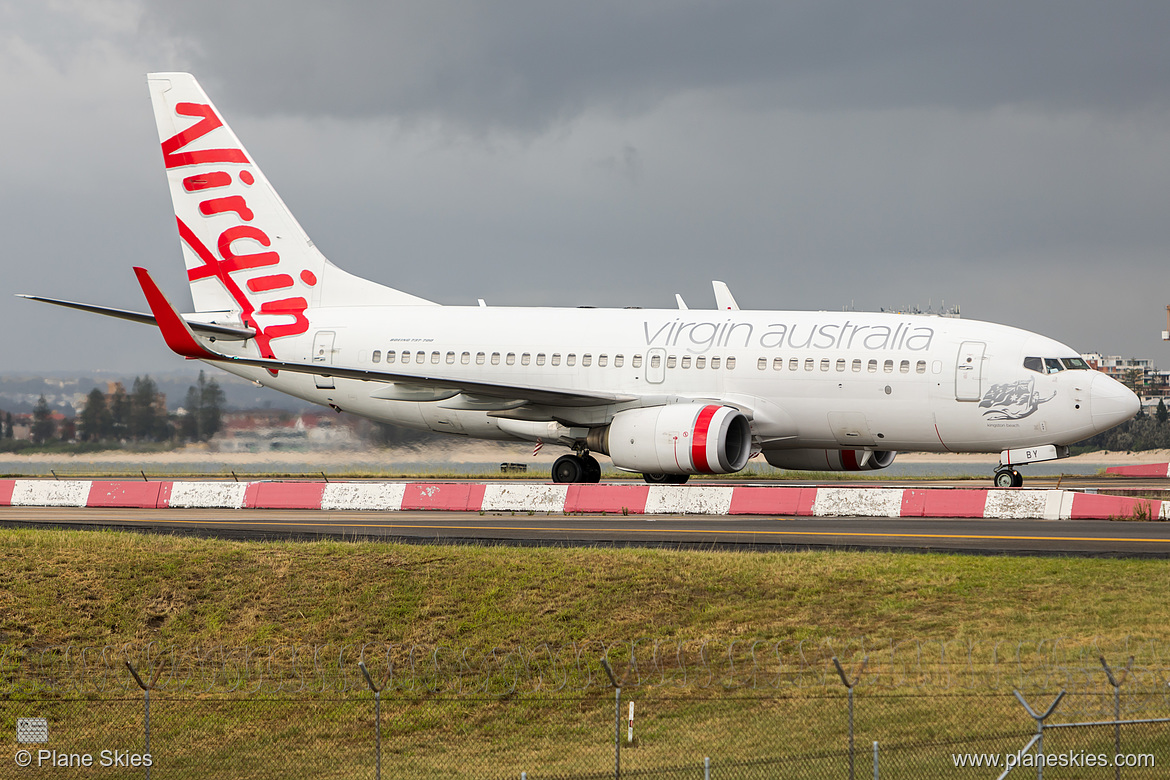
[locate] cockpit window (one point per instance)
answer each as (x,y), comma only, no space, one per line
(1052,365)
(1034,364)
(1076,364)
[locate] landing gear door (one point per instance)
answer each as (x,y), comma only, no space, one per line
(323,353)
(969,371)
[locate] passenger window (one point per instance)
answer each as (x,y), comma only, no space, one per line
(824,364)
(479,358)
(686,361)
(586,359)
(809,364)
(435,356)
(450,358)
(377,356)
(731,363)
(525,359)
(700,362)
(857,365)
(1052,365)
(715,361)
(618,360)
(840,364)
(655,361)
(762,363)
(637,361)
(872,367)
(888,367)
(540,358)
(671,360)
(495,358)
(465,358)
(1034,364)
(920,367)
(405,356)
(510,359)
(904,367)
(778,364)
(602,361)
(556,358)
(390,356)
(793,365)
(571,360)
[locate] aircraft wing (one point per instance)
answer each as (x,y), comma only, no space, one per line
(179,335)
(210,328)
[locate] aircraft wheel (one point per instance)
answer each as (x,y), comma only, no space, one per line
(592,469)
(568,468)
(1006,478)
(1017,479)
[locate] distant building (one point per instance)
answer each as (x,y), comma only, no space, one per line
(265,431)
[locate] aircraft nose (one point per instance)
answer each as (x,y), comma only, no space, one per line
(1110,402)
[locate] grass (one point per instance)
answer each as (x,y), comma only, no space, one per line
(95,588)
(109,588)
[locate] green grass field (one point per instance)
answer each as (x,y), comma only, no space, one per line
(106,588)
(88,588)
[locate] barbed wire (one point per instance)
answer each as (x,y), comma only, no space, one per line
(714,666)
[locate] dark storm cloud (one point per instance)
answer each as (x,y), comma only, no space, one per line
(527,64)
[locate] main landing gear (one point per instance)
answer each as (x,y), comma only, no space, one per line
(576,468)
(1008,478)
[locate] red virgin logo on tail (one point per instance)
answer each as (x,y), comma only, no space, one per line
(229,258)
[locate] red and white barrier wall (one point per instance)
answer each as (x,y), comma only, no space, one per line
(1143,470)
(558,499)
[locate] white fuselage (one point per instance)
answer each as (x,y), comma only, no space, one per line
(807,379)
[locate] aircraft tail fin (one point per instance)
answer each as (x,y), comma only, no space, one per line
(244,250)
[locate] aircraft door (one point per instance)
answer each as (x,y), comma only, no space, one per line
(323,353)
(655,365)
(969,371)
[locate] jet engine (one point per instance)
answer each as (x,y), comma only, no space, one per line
(830,460)
(676,439)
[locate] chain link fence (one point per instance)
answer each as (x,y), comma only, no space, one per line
(706,709)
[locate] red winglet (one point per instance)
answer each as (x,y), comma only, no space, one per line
(175,330)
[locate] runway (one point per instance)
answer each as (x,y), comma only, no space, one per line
(752,533)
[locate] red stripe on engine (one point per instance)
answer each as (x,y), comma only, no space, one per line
(699,440)
(849,460)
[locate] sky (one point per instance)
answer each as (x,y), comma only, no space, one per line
(1011,158)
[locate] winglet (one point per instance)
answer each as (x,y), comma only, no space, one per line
(175,330)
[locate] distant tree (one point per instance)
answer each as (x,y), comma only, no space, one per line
(148,419)
(1161,414)
(43,426)
(119,407)
(8,433)
(69,430)
(95,422)
(212,400)
(205,400)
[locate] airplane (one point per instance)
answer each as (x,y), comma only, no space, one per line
(668,393)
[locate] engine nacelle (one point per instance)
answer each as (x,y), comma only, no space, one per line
(677,439)
(830,460)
